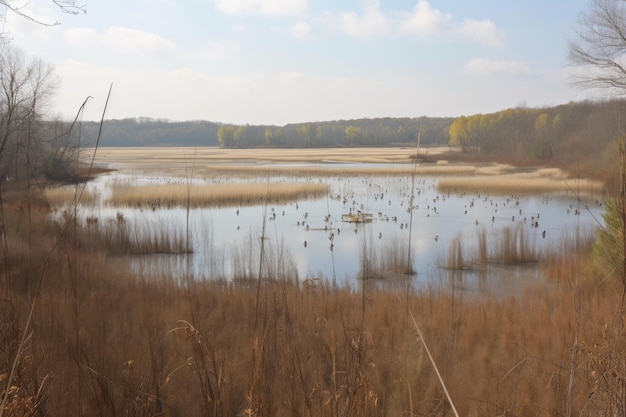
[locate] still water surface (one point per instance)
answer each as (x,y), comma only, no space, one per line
(309,237)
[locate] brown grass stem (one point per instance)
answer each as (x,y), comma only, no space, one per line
(434,364)
(40,279)
(409,260)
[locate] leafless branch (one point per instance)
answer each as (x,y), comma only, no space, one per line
(66,6)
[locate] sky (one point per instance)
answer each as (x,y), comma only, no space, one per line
(274,62)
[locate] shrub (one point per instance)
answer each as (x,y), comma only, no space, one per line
(608,250)
(58,169)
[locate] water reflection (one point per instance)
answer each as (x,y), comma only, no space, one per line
(308,239)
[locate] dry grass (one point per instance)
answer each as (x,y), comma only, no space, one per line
(213,195)
(332,170)
(455,257)
(105,341)
(65,195)
(514,247)
(508,246)
(490,177)
(180,157)
(208,160)
(498,181)
(153,346)
(117,236)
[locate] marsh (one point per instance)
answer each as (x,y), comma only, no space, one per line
(287,217)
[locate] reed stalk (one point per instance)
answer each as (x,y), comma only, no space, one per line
(434,364)
(40,279)
(455,259)
(409,260)
(214,195)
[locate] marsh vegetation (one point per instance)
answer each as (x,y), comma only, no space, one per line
(111,334)
(173,285)
(299,209)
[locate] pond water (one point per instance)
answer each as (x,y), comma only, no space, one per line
(309,238)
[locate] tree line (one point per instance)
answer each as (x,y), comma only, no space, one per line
(582,133)
(145,131)
(572,132)
(360,132)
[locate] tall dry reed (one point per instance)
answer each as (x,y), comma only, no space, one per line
(321,349)
(513,246)
(143,354)
(214,195)
(540,181)
(121,236)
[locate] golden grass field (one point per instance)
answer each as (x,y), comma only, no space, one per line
(202,162)
(180,157)
(213,195)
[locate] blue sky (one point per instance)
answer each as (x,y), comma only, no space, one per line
(287,61)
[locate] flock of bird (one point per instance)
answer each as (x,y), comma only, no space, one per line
(404,208)
(398,208)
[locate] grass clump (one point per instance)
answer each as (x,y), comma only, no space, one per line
(213,195)
(455,258)
(121,236)
(384,258)
(63,195)
(508,246)
(514,247)
(536,181)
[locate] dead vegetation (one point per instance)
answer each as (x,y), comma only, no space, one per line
(213,195)
(82,335)
(458,176)
(106,341)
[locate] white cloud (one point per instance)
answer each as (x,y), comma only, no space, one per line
(81,36)
(118,39)
(483,31)
(273,8)
(301,30)
(372,23)
(482,66)
(424,20)
(290,76)
(129,39)
(218,51)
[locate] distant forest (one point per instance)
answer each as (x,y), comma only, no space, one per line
(583,134)
(360,132)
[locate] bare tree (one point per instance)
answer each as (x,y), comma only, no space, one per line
(25,87)
(599,52)
(20,8)
(599,49)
